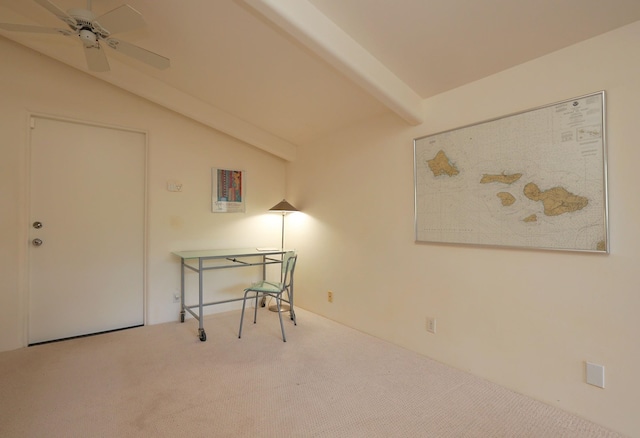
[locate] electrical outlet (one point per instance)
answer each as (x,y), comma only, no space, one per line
(330,296)
(176,297)
(431,325)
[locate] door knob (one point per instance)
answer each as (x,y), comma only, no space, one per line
(37,225)
(36,242)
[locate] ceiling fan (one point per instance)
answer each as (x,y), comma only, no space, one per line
(93,31)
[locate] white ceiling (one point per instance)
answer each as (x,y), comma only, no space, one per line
(281,73)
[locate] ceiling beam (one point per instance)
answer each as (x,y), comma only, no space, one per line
(196,109)
(316,31)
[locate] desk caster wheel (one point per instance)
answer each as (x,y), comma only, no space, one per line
(202,335)
(182,317)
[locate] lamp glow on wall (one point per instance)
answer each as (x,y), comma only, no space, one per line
(282,207)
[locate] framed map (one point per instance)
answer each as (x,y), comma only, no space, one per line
(227,191)
(533,179)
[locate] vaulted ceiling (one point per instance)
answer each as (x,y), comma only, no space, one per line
(281,73)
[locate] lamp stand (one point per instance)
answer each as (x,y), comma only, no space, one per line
(283,307)
(282,234)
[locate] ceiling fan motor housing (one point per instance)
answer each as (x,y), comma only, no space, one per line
(82,16)
(88,30)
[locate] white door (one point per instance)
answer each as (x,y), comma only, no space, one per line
(88,193)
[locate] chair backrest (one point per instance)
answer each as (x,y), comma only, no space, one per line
(288,265)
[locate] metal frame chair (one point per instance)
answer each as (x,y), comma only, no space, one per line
(274,289)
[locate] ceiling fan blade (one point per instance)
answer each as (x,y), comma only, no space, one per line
(96,58)
(58,12)
(121,19)
(36,29)
(153,59)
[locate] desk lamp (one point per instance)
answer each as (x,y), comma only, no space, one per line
(282,207)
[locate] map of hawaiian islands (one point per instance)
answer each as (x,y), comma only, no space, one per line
(555,201)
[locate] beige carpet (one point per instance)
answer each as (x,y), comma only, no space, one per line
(325,381)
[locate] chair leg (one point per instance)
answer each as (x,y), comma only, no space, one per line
(292,312)
(255,309)
(279,305)
(244,303)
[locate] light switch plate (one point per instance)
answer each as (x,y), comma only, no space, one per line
(595,374)
(174,186)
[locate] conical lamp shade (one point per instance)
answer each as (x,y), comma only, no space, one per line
(283,206)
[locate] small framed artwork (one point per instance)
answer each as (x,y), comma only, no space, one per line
(227,190)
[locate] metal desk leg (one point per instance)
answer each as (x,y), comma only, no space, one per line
(201,333)
(182,292)
(263,301)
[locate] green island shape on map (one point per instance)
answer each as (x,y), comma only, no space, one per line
(506,198)
(440,165)
(502,178)
(556,201)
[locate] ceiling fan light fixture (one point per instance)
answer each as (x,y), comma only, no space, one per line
(88,38)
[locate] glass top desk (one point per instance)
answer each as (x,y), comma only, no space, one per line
(200,261)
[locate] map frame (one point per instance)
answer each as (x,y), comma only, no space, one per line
(532,179)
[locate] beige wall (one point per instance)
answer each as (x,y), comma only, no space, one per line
(523,318)
(178,149)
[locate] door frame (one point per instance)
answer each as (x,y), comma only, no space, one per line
(25,214)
